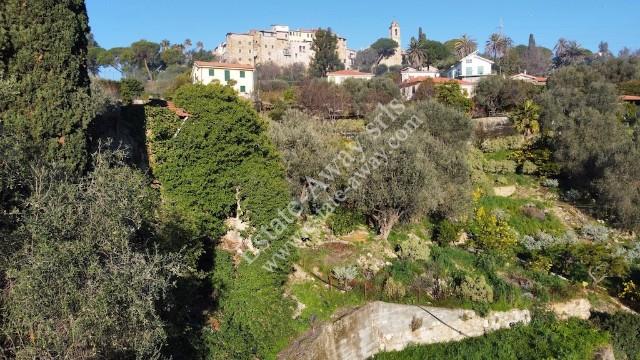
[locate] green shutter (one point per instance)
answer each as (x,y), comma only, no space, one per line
(241,73)
(242,89)
(211,72)
(227,75)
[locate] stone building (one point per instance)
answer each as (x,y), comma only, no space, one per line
(280,44)
(394,34)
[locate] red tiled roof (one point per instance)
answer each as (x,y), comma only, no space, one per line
(532,77)
(349,73)
(207,64)
(630,98)
(176,110)
(436,80)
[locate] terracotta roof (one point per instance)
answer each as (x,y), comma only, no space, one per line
(436,80)
(630,98)
(220,65)
(176,110)
(349,73)
(532,77)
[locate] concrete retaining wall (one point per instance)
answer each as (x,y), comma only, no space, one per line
(381,326)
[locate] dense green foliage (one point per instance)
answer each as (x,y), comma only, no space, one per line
(591,145)
(46,115)
(451,94)
(87,280)
(545,338)
(344,221)
(625,332)
(130,89)
(495,94)
(305,145)
(325,59)
(221,152)
(425,173)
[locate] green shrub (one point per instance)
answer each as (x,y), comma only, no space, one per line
(474,288)
(514,142)
(394,289)
(493,234)
(345,274)
(625,332)
(446,232)
(344,221)
(595,232)
(220,154)
(414,249)
(550,183)
(529,168)
(500,166)
(130,89)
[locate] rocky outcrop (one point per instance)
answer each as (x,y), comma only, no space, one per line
(504,191)
(578,308)
(380,326)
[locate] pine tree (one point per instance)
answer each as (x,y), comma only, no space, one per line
(326,58)
(46,65)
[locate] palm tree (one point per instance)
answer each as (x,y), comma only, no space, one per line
(465,45)
(568,52)
(187,44)
(416,54)
(165,44)
(498,45)
(526,118)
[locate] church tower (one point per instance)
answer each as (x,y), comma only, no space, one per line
(394,34)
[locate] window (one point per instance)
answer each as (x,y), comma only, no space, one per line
(243,89)
(469,61)
(227,75)
(242,73)
(480,70)
(469,71)
(211,72)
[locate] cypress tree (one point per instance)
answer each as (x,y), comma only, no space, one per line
(46,67)
(325,47)
(532,43)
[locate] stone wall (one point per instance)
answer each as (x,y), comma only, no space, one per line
(380,326)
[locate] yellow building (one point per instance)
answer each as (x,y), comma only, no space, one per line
(240,75)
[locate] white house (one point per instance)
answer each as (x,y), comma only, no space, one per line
(411,73)
(207,72)
(410,87)
(471,68)
(339,77)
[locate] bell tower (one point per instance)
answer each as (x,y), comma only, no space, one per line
(394,33)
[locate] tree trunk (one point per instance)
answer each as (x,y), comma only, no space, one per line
(386,220)
(146,66)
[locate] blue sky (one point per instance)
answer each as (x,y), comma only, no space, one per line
(120,22)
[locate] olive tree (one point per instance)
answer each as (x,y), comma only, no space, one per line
(305,145)
(87,279)
(416,166)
